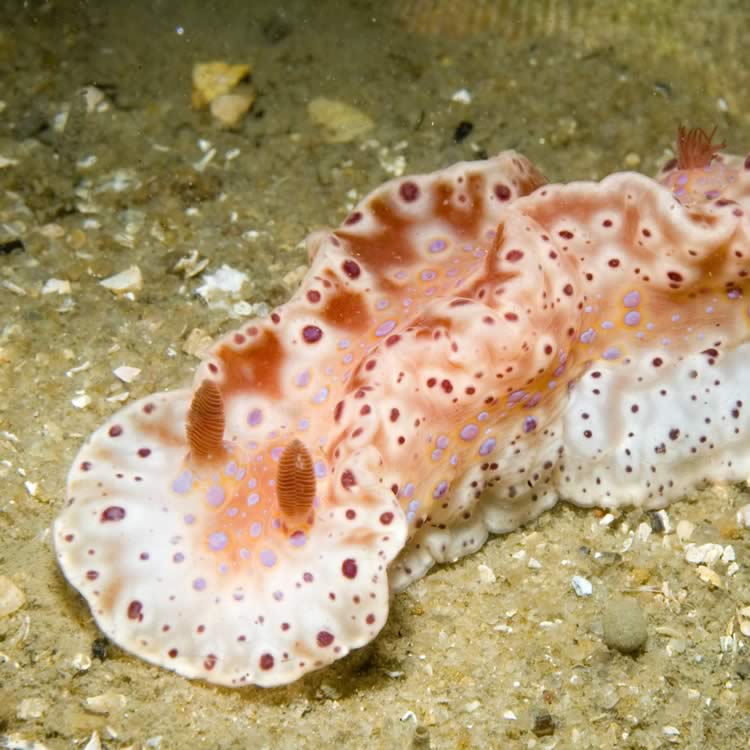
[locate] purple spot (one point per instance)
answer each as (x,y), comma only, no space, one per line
(232,512)
(437,454)
(442,442)
(588,336)
(381,304)
(533,401)
(253,499)
(304,423)
(215,496)
(441,489)
(276,452)
(298,539)
(487,447)
(217,541)
(482,416)
(278,595)
(199,584)
(311,334)
(255,417)
(348,358)
(734,294)
(267,558)
(516,396)
(255,530)
(611,353)
(454,459)
(428,275)
(245,553)
(321,395)
(469,432)
(320,469)
(437,246)
(303,378)
(178,557)
(408,490)
(607,324)
(632,299)
(183,483)
(189,519)
(344,344)
(385,328)
(529,424)
(252,484)
(632,318)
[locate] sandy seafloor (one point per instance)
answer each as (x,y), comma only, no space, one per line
(583,89)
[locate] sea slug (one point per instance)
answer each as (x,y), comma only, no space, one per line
(467,348)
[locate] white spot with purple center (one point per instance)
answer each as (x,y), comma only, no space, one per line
(215,496)
(253,499)
(255,417)
(487,447)
(437,246)
(217,541)
(632,299)
(385,328)
(611,353)
(267,558)
(183,483)
(588,336)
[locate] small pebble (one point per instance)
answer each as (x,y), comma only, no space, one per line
(11,597)
(582,586)
(544,725)
(624,625)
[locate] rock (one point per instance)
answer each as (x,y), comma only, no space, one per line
(544,725)
(11,597)
(105,704)
(214,79)
(341,122)
(624,625)
(129,280)
(31,708)
(230,109)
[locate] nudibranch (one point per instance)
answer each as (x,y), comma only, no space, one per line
(467,348)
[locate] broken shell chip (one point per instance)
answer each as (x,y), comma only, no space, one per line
(214,79)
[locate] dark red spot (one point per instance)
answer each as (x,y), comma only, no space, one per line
(135,610)
(607,223)
(210,662)
(92,575)
(113,513)
(351,268)
(148,408)
(393,339)
(324,638)
(370,619)
(69,537)
(566,235)
(266,662)
(502,192)
(115,430)
(307,577)
(365,410)
(568,289)
(613,263)
(674,433)
(747,162)
(172,653)
(511,316)
(213,368)
(394,414)
(252,331)
(670,165)
(351,514)
(347,479)
(349,568)
(431,382)
(239,338)
(447,386)
(276,318)
(514,256)
(634,408)
(311,334)
(85,465)
(338,410)
(313,295)
(386,518)
(144,556)
(657,361)
(370,364)
(646,232)
(144,452)
(353,218)
(674,276)
(408,191)
(285,626)
(460,302)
